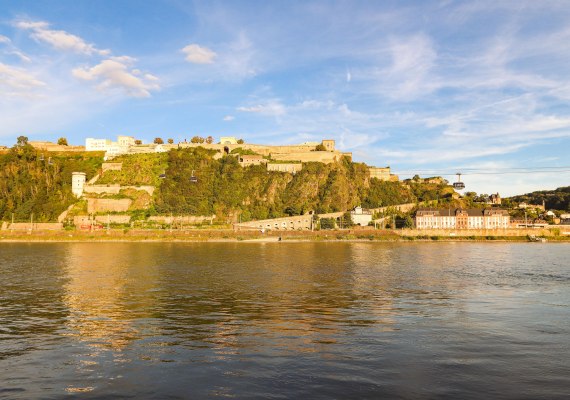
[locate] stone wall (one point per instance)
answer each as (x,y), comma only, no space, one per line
(287,223)
(115,188)
(113,219)
(285,167)
(108,205)
(98,189)
(182,219)
(108,166)
(325,157)
(36,226)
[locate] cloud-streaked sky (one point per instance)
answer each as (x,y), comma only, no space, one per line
(423,86)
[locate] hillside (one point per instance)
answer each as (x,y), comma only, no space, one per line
(558,199)
(38,184)
(221,186)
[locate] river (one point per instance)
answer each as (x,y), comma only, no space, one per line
(285,320)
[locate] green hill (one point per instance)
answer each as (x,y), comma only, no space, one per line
(197,183)
(38,184)
(558,199)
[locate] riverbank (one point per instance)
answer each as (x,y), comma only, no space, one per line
(204,235)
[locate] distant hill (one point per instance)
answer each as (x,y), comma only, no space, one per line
(557,199)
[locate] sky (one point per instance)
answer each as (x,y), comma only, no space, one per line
(427,87)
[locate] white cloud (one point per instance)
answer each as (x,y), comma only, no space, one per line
(228,118)
(15,82)
(114,73)
(197,54)
(60,40)
(410,73)
(4,39)
(273,108)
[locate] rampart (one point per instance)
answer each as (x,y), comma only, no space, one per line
(108,166)
(26,226)
(108,205)
(182,219)
(285,167)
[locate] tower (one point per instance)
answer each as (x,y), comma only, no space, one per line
(77,183)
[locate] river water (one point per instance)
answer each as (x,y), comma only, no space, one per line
(285,320)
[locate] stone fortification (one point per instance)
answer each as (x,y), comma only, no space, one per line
(108,205)
(382,173)
(325,157)
(285,167)
(54,147)
(115,188)
(109,166)
(182,219)
(26,226)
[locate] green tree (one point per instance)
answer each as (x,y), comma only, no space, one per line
(22,141)
(158,140)
(62,141)
(320,147)
(209,140)
(138,142)
(240,141)
(170,141)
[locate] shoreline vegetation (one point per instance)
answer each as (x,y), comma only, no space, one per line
(229,235)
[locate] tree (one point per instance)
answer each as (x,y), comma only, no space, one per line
(197,139)
(158,140)
(22,141)
(327,223)
(138,142)
(209,140)
(408,222)
(62,141)
(240,141)
(320,147)
(170,141)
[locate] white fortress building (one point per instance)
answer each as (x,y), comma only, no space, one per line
(78,183)
(111,149)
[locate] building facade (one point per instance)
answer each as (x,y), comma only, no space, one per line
(489,218)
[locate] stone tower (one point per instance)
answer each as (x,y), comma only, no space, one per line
(77,183)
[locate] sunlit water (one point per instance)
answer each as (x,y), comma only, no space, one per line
(285,320)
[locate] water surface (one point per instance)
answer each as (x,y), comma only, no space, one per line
(285,320)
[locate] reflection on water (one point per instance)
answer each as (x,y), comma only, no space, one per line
(284,320)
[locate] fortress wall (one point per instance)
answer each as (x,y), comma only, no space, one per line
(401,207)
(108,205)
(326,157)
(285,167)
(44,226)
(108,166)
(113,219)
(185,219)
(98,189)
(286,223)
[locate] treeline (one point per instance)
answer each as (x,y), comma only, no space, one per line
(39,184)
(558,199)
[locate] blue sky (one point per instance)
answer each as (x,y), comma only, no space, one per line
(432,87)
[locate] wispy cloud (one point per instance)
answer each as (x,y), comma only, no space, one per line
(229,118)
(271,108)
(16,82)
(58,39)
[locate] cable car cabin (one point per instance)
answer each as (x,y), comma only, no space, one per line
(193,179)
(162,176)
(458,185)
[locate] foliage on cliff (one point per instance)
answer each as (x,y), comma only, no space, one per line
(30,184)
(558,199)
(223,187)
(137,169)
